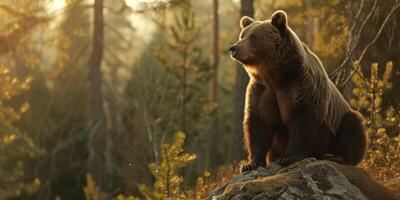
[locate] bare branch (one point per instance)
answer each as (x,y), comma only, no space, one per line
(118,34)
(385,21)
(353,25)
(362,4)
(352,47)
(115,56)
(380,30)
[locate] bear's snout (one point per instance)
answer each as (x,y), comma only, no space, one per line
(233,50)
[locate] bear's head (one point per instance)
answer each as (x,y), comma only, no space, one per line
(258,40)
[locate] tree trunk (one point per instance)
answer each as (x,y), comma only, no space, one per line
(212,145)
(310,26)
(97,138)
(214,83)
(184,92)
(242,79)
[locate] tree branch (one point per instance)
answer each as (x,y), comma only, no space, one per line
(385,21)
(352,48)
(116,57)
(118,34)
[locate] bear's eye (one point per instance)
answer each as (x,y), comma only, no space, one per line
(253,37)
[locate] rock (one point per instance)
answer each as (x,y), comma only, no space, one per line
(306,179)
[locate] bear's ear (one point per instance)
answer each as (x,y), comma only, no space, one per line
(245,21)
(279,19)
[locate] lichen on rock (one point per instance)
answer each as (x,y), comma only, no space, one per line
(306,179)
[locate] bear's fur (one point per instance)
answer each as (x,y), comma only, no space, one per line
(292,109)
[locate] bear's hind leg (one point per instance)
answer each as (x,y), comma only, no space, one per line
(351,141)
(278,146)
(302,138)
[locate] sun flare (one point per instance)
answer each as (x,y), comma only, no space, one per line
(57,4)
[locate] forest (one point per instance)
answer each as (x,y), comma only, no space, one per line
(140,99)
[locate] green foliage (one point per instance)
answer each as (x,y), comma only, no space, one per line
(63,108)
(182,57)
(92,191)
(168,90)
(17,148)
(200,191)
(382,158)
(368,96)
(168,181)
(18,25)
(17,57)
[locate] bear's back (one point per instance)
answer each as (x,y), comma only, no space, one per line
(319,92)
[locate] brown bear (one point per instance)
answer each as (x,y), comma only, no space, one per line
(292,110)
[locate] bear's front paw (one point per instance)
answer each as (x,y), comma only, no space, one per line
(251,166)
(286,161)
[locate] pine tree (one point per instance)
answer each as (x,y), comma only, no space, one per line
(382,158)
(63,121)
(182,57)
(368,95)
(16,146)
(17,58)
(167,174)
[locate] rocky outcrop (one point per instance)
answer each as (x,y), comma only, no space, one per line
(307,179)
